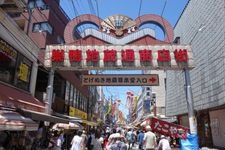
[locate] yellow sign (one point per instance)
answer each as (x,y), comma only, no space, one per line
(71,111)
(7,50)
(77,113)
(23,74)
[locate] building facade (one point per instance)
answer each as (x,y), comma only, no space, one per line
(19,64)
(202,26)
(28,28)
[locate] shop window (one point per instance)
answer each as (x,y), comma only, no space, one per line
(15,69)
(74,97)
(23,73)
(59,86)
(76,100)
(67,93)
(8,56)
(71,95)
(42,27)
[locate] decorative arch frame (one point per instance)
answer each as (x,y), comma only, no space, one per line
(148,18)
(69,30)
(160,21)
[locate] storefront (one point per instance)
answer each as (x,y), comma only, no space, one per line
(16,130)
(217,123)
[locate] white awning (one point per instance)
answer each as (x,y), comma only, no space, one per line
(68,126)
(13,121)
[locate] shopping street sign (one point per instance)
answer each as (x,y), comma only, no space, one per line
(114,57)
(121,80)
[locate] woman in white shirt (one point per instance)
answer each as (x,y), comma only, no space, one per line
(77,142)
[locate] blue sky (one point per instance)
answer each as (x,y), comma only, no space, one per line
(168,9)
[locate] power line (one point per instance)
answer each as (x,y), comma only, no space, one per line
(74,8)
(164,7)
(140,6)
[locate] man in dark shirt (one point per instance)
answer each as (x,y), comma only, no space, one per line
(140,139)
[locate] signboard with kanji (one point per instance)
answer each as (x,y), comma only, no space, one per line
(121,80)
(112,57)
(168,129)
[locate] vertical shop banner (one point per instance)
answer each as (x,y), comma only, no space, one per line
(169,129)
(147,105)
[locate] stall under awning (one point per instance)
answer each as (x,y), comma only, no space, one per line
(13,121)
(90,123)
(39,116)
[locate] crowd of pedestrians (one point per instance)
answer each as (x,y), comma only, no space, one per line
(119,139)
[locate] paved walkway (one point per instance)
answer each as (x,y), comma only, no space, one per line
(203,148)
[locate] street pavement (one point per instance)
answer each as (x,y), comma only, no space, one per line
(203,148)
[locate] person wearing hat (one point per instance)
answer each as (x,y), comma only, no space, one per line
(149,139)
(164,143)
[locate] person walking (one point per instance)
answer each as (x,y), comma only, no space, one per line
(130,138)
(84,139)
(164,143)
(140,139)
(149,139)
(77,142)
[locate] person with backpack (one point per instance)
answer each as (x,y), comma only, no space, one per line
(130,138)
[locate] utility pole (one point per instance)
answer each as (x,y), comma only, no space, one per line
(189,97)
(49,91)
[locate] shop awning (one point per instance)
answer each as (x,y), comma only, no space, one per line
(71,119)
(18,98)
(39,116)
(90,123)
(66,126)
(13,121)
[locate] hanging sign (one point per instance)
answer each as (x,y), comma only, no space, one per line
(128,57)
(168,129)
(121,80)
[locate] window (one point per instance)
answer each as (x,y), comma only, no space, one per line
(74,98)
(148,88)
(71,95)
(42,27)
(59,86)
(15,69)
(67,93)
(23,73)
(37,4)
(8,57)
(41,4)
(60,40)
